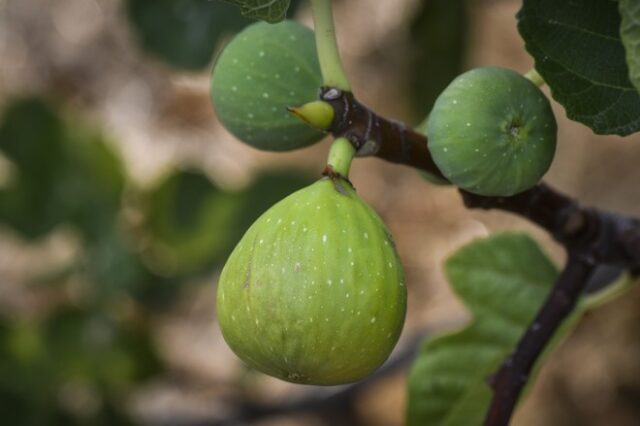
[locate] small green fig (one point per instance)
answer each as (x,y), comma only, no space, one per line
(314,292)
(492,132)
(262,71)
(430,177)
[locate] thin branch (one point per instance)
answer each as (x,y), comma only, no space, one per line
(374,135)
(604,236)
(514,372)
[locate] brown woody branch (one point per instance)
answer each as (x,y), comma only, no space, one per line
(591,237)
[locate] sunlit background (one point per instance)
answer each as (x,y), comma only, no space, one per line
(121,196)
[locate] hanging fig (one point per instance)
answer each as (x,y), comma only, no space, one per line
(492,132)
(262,71)
(314,292)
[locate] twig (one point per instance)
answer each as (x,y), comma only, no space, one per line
(591,237)
(605,237)
(514,372)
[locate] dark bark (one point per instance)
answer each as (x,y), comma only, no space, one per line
(513,374)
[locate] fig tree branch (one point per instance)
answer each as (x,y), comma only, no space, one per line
(603,236)
(591,236)
(507,383)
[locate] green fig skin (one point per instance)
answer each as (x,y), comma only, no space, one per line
(262,71)
(314,292)
(430,177)
(492,132)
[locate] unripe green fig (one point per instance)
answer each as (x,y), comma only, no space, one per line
(430,177)
(492,132)
(314,292)
(262,71)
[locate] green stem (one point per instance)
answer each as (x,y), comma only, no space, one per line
(333,72)
(535,78)
(340,156)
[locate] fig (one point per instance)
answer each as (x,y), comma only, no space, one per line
(262,71)
(492,132)
(314,292)
(430,177)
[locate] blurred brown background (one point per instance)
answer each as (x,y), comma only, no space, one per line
(84,58)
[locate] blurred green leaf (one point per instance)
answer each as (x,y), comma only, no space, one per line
(189,223)
(75,368)
(184,33)
(31,136)
(94,181)
(578,51)
(266,10)
(437,42)
(92,347)
(630,32)
(267,189)
(62,173)
(503,280)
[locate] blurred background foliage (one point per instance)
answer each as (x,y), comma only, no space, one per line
(63,173)
(121,196)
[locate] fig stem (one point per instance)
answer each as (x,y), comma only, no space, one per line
(534,77)
(340,156)
(333,73)
(317,114)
